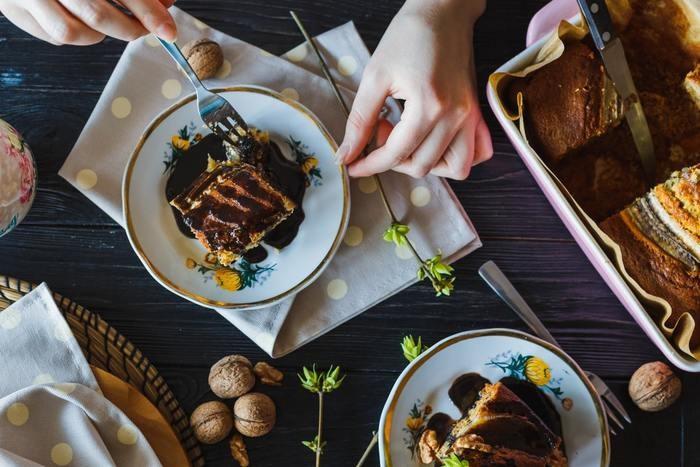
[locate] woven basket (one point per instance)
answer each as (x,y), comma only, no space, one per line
(107,349)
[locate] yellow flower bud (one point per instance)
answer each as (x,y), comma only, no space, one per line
(537,371)
(227,279)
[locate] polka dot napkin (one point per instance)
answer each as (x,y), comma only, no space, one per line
(146,81)
(51,409)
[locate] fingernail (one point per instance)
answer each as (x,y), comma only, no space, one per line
(167,31)
(342,153)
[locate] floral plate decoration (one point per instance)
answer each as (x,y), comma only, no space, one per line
(17,178)
(182,264)
(496,353)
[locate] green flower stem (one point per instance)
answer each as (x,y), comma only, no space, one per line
(372,443)
(435,281)
(320,428)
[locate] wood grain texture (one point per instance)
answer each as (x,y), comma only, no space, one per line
(48,93)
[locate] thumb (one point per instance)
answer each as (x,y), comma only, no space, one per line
(362,120)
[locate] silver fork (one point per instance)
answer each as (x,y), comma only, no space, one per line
(500,284)
(216,112)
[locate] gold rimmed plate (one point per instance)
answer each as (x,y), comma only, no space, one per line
(422,389)
(181,264)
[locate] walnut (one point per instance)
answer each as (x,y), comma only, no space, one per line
(231,377)
(428,447)
(204,56)
(238,450)
(211,422)
(268,374)
(654,387)
(254,414)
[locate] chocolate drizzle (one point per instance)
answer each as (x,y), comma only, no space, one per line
(285,174)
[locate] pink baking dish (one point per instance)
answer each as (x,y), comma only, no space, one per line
(578,230)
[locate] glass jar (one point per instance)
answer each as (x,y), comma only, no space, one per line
(17,178)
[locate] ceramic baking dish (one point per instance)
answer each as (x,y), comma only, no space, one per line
(575,225)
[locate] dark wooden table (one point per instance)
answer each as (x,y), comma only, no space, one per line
(48,94)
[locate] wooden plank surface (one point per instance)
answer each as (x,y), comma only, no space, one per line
(48,93)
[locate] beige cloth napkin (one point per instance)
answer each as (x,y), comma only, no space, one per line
(52,411)
(366,269)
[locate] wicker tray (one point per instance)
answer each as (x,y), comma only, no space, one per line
(107,349)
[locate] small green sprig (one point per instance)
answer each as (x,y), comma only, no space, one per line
(320,383)
(396,234)
(454,461)
(411,348)
(439,273)
(314,445)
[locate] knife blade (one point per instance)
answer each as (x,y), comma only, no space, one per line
(613,55)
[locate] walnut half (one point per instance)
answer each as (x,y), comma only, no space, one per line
(268,374)
(239,451)
(428,446)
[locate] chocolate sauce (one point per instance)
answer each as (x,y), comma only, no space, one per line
(465,391)
(537,401)
(287,175)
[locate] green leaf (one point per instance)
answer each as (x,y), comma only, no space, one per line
(396,234)
(332,379)
(314,446)
(312,381)
(412,349)
(454,461)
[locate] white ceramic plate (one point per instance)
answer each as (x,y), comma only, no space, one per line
(494,354)
(178,262)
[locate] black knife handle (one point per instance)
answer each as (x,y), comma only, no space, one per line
(599,22)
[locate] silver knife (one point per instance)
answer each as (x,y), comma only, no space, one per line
(613,54)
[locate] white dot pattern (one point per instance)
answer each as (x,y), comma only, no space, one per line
(127,435)
(62,454)
(347,65)
(224,71)
(420,196)
(10,318)
(290,93)
(353,236)
(17,414)
(171,88)
(43,378)
(121,107)
(337,289)
(298,53)
(403,252)
(86,179)
(367,185)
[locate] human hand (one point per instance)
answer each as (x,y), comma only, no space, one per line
(86,22)
(425,58)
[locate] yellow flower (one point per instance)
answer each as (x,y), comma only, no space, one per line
(180,143)
(308,164)
(414,424)
(228,279)
(537,371)
(190,263)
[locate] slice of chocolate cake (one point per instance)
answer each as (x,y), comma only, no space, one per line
(499,430)
(232,208)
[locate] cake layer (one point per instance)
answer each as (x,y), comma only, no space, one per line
(232,208)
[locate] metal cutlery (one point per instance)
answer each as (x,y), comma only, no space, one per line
(613,54)
(216,112)
(500,284)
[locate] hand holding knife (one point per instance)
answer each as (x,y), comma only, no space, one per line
(613,55)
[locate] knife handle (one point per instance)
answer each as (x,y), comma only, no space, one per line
(599,22)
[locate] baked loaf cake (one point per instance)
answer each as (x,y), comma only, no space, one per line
(574,89)
(572,116)
(231,208)
(499,430)
(659,235)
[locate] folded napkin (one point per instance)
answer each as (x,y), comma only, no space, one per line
(52,411)
(366,270)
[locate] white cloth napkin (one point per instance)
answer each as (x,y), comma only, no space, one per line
(52,411)
(366,269)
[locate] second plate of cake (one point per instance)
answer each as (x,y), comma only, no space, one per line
(237,228)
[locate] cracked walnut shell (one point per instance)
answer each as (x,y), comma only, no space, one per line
(654,387)
(211,422)
(232,376)
(254,414)
(204,56)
